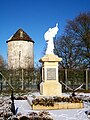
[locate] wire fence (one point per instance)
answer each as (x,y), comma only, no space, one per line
(73,78)
(30,79)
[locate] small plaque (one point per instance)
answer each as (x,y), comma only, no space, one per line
(51,73)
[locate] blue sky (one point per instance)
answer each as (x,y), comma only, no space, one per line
(35,17)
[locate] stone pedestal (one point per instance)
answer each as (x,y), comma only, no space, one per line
(50,85)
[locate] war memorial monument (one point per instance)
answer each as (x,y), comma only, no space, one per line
(50,85)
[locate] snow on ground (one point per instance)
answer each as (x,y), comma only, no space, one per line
(69,114)
(22,106)
(63,114)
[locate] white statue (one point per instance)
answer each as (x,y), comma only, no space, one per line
(48,36)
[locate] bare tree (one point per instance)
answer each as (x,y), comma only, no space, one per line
(74,45)
(1,61)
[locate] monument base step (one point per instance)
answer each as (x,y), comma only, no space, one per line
(57,106)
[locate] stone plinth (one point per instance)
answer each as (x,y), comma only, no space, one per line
(50,85)
(50,88)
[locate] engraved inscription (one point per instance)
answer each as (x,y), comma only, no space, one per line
(51,73)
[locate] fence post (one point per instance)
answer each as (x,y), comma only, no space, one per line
(22,80)
(0,83)
(87,79)
(66,77)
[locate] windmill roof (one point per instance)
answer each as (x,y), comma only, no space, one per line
(20,35)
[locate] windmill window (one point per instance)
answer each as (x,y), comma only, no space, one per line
(21,34)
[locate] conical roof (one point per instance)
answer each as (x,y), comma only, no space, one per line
(20,35)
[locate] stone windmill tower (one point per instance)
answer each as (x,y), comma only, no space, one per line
(20,51)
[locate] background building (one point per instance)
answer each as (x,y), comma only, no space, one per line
(20,51)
